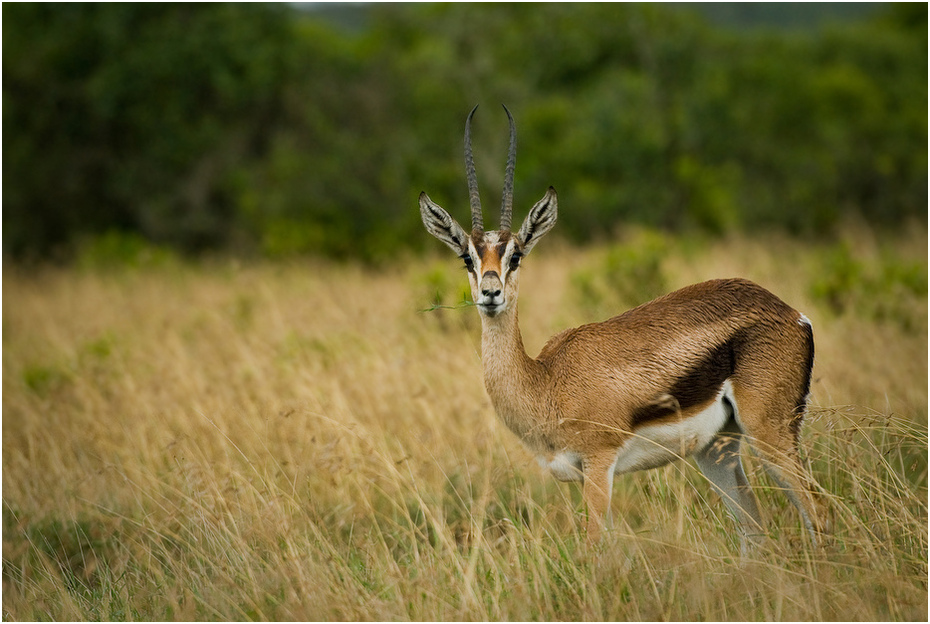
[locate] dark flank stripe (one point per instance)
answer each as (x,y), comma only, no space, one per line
(697,386)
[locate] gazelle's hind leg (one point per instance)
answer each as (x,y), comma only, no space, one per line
(789,473)
(773,428)
(720,462)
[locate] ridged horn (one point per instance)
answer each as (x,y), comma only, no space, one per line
(507,199)
(476,222)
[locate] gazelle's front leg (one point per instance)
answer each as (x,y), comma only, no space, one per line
(598,483)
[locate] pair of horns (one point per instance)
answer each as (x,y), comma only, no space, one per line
(477,224)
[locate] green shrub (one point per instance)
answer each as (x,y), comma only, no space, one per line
(888,289)
(119,250)
(630,273)
(43,380)
(441,286)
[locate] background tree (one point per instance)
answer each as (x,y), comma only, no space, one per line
(129,116)
(271,129)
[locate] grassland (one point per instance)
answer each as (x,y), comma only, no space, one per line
(302,441)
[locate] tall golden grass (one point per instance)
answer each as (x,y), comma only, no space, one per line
(302,441)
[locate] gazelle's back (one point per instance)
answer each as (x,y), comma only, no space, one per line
(686,323)
(681,346)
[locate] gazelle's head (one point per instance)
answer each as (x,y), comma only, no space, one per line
(491,258)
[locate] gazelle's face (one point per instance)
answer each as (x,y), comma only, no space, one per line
(493,264)
(491,258)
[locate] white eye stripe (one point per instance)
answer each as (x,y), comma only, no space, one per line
(513,256)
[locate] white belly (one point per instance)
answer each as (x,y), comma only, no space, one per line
(651,446)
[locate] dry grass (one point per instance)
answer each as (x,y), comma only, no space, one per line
(300,442)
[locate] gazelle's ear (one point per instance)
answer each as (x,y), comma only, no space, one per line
(442,226)
(539,221)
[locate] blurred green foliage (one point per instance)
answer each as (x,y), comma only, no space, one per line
(120,250)
(887,288)
(628,274)
(261,128)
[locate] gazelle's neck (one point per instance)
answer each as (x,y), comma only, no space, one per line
(514,381)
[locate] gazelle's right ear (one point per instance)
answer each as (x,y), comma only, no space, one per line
(442,226)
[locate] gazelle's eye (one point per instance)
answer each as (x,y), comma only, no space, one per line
(515,260)
(468,263)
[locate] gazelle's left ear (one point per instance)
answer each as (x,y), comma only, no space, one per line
(442,226)
(539,221)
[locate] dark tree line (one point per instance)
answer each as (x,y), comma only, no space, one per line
(262,128)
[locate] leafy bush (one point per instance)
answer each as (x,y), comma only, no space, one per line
(630,273)
(119,250)
(885,289)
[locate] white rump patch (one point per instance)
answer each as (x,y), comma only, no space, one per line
(803,320)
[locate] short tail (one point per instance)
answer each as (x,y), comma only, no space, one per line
(801,403)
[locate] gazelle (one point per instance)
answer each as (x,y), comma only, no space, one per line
(689,373)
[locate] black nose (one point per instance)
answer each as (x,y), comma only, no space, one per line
(491,284)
